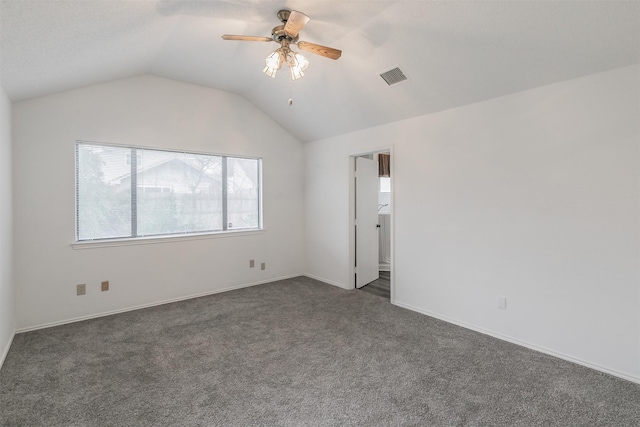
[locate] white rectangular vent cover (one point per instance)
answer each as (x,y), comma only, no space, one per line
(394,76)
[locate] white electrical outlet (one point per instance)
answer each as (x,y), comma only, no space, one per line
(502,303)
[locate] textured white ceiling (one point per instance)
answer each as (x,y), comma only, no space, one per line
(454,52)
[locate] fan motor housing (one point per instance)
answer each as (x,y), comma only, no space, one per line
(278,34)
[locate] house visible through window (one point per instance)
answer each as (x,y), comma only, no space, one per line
(128,159)
(134,192)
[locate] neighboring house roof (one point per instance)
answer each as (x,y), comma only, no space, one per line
(164,163)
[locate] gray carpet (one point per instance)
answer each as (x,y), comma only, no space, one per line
(295,353)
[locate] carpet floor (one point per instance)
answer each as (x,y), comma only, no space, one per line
(295,352)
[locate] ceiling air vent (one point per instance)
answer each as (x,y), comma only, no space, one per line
(394,76)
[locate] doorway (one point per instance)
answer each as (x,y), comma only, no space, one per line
(371,219)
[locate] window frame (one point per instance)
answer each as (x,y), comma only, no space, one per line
(168,237)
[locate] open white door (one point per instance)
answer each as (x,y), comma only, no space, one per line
(366,221)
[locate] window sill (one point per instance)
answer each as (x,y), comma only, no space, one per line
(130,241)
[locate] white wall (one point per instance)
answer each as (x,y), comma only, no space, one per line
(533,196)
(153,112)
(6,230)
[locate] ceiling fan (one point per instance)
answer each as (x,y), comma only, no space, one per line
(287,35)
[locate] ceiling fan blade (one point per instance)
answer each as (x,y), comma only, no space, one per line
(327,52)
(295,22)
(247,38)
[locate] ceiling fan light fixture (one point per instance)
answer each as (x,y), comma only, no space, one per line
(297,64)
(284,55)
(273,63)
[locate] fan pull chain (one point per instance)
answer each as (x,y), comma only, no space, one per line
(291,93)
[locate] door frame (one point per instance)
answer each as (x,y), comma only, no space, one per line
(351,216)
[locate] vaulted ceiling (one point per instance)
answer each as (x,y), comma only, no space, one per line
(453,52)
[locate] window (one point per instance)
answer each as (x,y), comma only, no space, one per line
(124,192)
(128,159)
(385,185)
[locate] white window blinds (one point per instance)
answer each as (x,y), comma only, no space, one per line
(134,192)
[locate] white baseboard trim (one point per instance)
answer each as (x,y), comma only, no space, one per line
(562,356)
(6,350)
(327,281)
(152,304)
